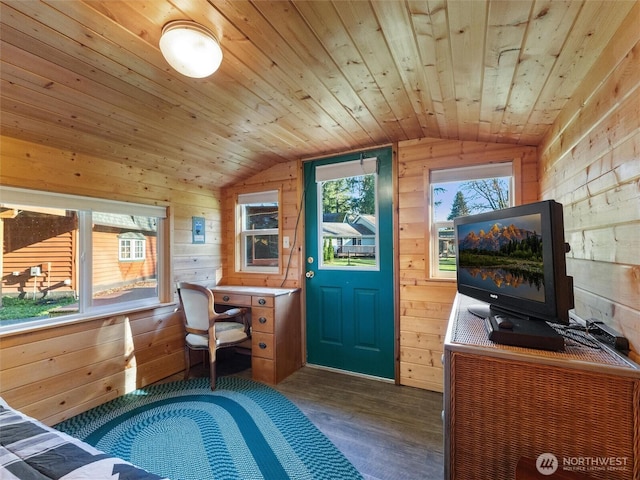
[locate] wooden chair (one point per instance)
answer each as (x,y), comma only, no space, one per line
(205,329)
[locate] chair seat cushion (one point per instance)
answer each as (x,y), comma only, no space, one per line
(226,332)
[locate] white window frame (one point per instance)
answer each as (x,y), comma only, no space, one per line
(135,245)
(243,236)
(84,206)
(459,174)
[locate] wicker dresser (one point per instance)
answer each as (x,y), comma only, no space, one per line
(503,403)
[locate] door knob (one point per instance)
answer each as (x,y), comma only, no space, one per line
(309,274)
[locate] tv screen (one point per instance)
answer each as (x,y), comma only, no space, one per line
(504,256)
(514,260)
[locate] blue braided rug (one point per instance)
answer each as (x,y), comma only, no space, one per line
(243,430)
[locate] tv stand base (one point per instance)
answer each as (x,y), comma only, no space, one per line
(526,332)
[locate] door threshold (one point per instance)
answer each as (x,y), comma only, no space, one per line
(353,374)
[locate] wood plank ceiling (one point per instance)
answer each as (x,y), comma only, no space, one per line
(298,78)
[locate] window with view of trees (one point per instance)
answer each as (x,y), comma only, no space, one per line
(348,215)
(63,256)
(460,192)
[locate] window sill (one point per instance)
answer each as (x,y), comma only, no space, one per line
(445,280)
(54,322)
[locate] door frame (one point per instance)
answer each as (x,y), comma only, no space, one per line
(303,185)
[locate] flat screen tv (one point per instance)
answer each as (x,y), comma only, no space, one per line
(513,260)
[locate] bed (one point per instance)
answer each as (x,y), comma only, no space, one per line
(30,450)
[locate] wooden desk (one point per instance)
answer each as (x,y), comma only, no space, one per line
(276,339)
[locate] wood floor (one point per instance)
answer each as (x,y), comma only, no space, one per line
(388,432)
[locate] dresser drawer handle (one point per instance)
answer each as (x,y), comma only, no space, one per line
(262,345)
(262,320)
(225,298)
(262,301)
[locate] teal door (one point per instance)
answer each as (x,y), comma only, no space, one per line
(349,264)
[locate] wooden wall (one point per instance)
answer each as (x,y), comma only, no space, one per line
(425,304)
(590,162)
(58,372)
(286,178)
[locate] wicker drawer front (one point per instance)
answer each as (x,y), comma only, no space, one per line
(262,345)
(262,320)
(224,298)
(262,301)
(503,410)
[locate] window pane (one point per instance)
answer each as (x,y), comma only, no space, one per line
(260,233)
(261,250)
(453,199)
(348,223)
(50,269)
(121,272)
(125,249)
(38,263)
(446,250)
(139,249)
(261,217)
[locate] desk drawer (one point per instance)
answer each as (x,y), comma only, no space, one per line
(260,301)
(262,345)
(224,298)
(263,370)
(262,320)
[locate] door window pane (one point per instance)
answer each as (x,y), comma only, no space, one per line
(348,223)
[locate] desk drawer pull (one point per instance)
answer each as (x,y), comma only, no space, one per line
(262,345)
(225,298)
(262,301)
(262,320)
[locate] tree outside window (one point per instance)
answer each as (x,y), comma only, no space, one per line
(460,192)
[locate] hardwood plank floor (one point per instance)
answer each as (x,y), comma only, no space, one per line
(388,432)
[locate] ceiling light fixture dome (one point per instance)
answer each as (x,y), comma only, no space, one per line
(190,48)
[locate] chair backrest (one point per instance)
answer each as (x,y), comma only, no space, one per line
(197,303)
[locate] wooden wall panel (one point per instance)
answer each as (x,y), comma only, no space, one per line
(590,162)
(57,372)
(286,178)
(424,303)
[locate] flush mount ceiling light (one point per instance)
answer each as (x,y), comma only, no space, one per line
(190,48)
